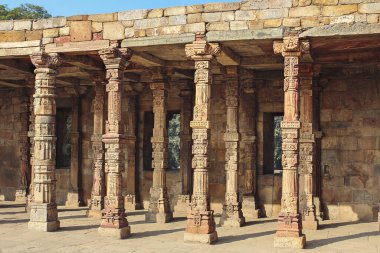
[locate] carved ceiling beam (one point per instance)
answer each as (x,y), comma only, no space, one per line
(11,84)
(84,62)
(17,66)
(147,60)
(228,58)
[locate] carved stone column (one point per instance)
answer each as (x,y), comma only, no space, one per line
(200,220)
(31,151)
(159,208)
(114,222)
(289,229)
(73,199)
(183,203)
(22,191)
(307,148)
(248,143)
(44,214)
(232,215)
(130,196)
(98,183)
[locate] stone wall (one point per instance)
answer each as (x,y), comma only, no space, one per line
(13,109)
(350,113)
(213,19)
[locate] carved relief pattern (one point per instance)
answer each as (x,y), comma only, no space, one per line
(113,215)
(290,223)
(98,185)
(232,206)
(159,201)
(44,153)
(200,218)
(307,147)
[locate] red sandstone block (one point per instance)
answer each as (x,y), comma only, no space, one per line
(97,36)
(63,39)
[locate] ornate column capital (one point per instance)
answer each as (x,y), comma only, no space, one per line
(114,57)
(201,50)
(291,46)
(44,60)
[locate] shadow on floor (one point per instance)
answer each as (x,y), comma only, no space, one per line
(14,221)
(73,217)
(76,228)
(11,205)
(136,213)
(62,209)
(155,233)
(323,242)
(235,238)
(260,221)
(11,213)
(338,224)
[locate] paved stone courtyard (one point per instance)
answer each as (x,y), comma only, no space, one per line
(79,234)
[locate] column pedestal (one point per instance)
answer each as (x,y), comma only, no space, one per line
(44,217)
(249,207)
(183,205)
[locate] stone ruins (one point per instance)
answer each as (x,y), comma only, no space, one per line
(261,108)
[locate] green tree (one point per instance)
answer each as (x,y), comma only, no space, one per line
(24,11)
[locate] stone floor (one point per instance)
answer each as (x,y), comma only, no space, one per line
(79,234)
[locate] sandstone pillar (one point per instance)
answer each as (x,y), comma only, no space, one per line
(73,199)
(44,214)
(183,203)
(159,208)
(98,183)
(130,196)
(307,148)
(114,222)
(200,220)
(232,215)
(289,229)
(31,151)
(22,191)
(248,149)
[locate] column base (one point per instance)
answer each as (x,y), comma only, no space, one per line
(232,217)
(21,196)
(118,233)
(290,242)
(183,205)
(44,226)
(249,207)
(72,200)
(318,209)
(94,214)
(231,222)
(158,217)
(310,223)
(201,238)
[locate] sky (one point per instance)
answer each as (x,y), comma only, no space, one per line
(75,7)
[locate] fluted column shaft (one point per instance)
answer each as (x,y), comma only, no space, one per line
(200,220)
(232,214)
(44,215)
(114,222)
(98,183)
(289,230)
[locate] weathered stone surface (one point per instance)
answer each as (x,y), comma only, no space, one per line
(342,29)
(238,25)
(177,20)
(309,22)
(96,27)
(211,17)
(175,29)
(129,32)
(103,17)
(64,31)
(273,13)
(151,23)
(338,10)
(6,25)
(156,13)
(272,22)
(77,46)
(373,18)
(22,25)
(80,31)
(7,36)
(174,11)
(33,35)
(369,8)
(51,33)
(325,2)
(218,26)
(49,23)
(227,16)
(214,7)
(113,31)
(308,11)
(195,27)
(271,33)
(194,9)
(254,5)
(194,18)
(133,14)
(245,15)
(77,18)
(292,22)
(159,40)
(343,19)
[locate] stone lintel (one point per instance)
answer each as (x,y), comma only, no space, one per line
(341,29)
(21,44)
(24,51)
(159,40)
(271,33)
(83,46)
